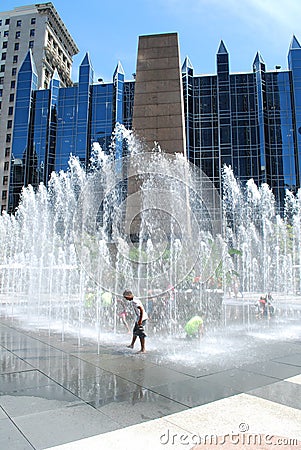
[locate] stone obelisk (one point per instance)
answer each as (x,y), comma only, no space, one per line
(158,114)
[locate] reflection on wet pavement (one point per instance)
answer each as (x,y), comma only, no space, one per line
(54,391)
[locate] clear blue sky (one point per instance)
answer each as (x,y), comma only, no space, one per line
(109,30)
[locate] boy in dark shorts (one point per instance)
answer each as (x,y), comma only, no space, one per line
(141,318)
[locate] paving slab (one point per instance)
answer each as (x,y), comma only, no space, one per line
(195,392)
(13,383)
(82,394)
(12,363)
(238,417)
(11,437)
(57,426)
(139,406)
(285,393)
(239,380)
(294,359)
(100,389)
(274,369)
(296,379)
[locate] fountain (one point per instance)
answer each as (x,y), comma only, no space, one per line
(67,253)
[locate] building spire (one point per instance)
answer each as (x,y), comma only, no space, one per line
(86,61)
(222,49)
(258,60)
(119,69)
(28,64)
(186,65)
(55,75)
(222,62)
(294,54)
(295,44)
(84,75)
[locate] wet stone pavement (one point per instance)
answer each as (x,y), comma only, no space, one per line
(54,392)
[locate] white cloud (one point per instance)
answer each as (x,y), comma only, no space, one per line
(245,26)
(287,13)
(284,13)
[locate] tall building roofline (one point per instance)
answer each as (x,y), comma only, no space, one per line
(50,9)
(154,35)
(53,12)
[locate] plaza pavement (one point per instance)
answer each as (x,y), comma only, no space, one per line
(238,390)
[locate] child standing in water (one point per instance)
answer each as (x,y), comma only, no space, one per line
(141,318)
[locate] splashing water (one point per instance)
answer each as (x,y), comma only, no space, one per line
(67,255)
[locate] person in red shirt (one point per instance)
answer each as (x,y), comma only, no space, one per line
(261,307)
(123,314)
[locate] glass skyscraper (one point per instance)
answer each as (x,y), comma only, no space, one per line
(37,27)
(250,121)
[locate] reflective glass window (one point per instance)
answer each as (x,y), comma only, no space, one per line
(102,114)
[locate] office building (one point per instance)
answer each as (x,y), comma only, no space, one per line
(39,28)
(250,121)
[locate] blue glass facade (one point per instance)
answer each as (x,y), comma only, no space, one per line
(250,121)
(294,64)
(24,156)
